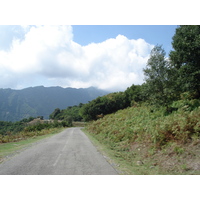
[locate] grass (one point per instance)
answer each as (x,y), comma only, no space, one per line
(125,163)
(121,161)
(145,141)
(10,148)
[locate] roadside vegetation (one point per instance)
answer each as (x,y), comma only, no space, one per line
(32,127)
(27,128)
(155,127)
(151,142)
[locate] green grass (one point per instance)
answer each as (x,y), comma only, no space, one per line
(7,149)
(166,144)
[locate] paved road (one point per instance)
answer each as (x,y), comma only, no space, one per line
(67,153)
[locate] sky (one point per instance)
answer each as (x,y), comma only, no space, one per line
(109,57)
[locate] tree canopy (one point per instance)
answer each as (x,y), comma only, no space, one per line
(186,58)
(159,77)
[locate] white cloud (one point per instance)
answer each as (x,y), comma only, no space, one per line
(48,56)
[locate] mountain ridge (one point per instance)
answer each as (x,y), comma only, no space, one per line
(41,101)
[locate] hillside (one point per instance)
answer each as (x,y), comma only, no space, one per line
(41,101)
(144,140)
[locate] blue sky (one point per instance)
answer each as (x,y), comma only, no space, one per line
(86,34)
(153,34)
(107,57)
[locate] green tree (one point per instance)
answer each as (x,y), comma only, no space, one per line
(55,114)
(186,58)
(104,105)
(159,78)
(134,94)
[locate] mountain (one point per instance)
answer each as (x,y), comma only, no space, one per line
(41,101)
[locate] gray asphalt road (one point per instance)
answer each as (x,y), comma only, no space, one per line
(67,153)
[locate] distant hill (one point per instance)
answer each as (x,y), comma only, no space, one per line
(42,101)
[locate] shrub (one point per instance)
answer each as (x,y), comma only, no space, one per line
(140,124)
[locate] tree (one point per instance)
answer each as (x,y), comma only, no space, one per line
(104,105)
(186,58)
(159,77)
(134,94)
(55,114)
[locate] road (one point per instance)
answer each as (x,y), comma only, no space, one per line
(69,152)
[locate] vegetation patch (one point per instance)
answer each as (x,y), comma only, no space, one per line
(151,142)
(16,131)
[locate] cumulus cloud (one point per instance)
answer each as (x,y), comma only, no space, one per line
(47,55)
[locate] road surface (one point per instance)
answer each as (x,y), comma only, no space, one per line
(68,153)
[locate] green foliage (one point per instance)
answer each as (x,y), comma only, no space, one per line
(135,93)
(178,150)
(113,102)
(55,114)
(186,58)
(186,105)
(14,131)
(72,112)
(159,78)
(41,126)
(104,105)
(141,125)
(13,127)
(68,115)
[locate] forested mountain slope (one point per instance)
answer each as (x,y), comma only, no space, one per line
(41,101)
